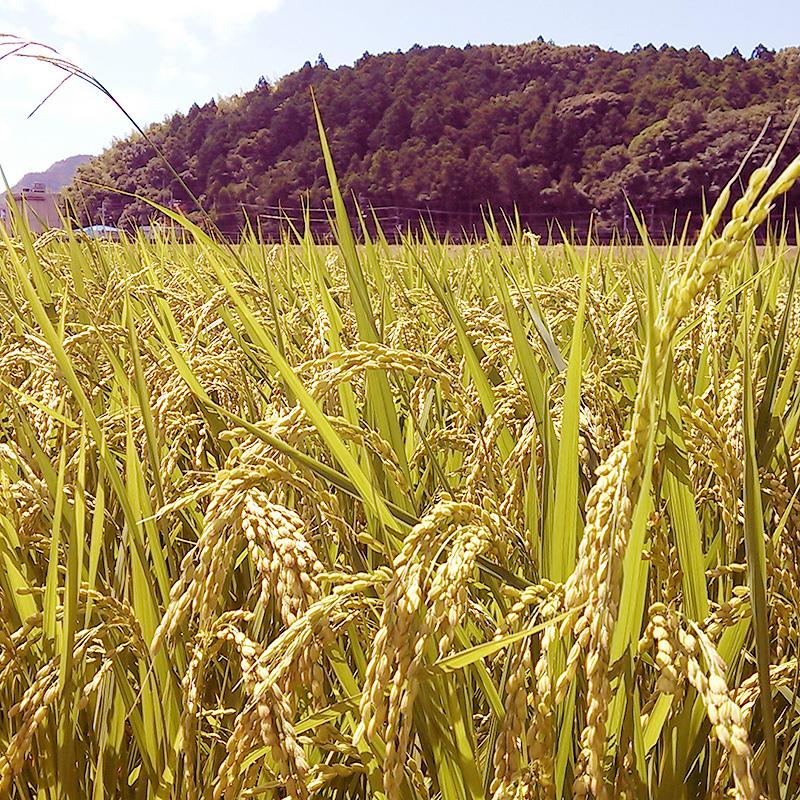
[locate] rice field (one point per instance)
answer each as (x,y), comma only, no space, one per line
(402,522)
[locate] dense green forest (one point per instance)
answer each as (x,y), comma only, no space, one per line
(553,131)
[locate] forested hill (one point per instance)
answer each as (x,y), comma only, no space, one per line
(556,130)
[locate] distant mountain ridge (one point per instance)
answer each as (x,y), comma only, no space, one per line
(56,176)
(546,130)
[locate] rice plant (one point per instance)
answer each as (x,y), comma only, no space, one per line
(401,521)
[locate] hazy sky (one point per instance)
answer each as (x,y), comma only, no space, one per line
(159,56)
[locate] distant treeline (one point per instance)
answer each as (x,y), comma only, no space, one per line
(549,130)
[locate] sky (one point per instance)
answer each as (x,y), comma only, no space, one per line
(160,56)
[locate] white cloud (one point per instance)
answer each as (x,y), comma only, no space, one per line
(13,30)
(12,6)
(179,22)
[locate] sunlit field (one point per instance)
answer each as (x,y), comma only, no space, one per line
(401,521)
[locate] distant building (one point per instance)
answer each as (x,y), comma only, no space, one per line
(101,232)
(39,206)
